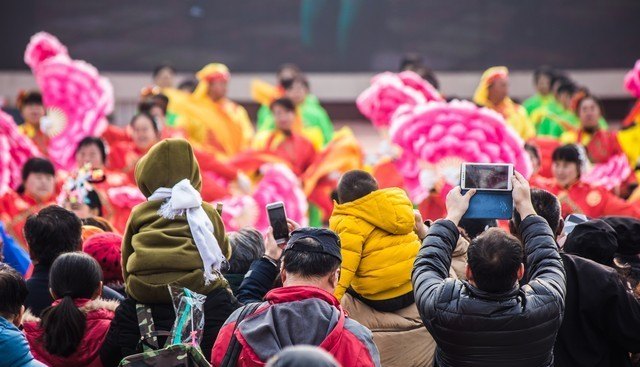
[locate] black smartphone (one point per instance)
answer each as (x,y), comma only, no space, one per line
(278,221)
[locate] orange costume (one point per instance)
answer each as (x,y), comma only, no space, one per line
(295,149)
(219,127)
(14,210)
(595,202)
(40,139)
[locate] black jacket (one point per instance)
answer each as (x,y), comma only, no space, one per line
(476,328)
(39,296)
(259,280)
(601,323)
(124,333)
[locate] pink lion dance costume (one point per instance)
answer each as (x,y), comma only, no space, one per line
(77,98)
(388,91)
(15,150)
(436,137)
(278,183)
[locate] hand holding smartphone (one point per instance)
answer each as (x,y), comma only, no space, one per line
(278,221)
(492,181)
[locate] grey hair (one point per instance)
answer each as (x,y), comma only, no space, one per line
(247,245)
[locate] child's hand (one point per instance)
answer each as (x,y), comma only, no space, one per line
(419,227)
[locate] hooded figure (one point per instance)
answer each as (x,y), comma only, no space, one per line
(157,251)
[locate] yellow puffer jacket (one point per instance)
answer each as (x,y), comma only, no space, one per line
(378,244)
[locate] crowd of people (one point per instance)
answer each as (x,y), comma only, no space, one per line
(369,276)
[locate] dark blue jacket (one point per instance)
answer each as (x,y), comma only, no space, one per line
(477,328)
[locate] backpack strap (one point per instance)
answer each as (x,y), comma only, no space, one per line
(148,334)
(233,350)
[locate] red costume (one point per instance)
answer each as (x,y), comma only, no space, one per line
(14,210)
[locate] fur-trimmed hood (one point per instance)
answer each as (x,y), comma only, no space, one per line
(99,313)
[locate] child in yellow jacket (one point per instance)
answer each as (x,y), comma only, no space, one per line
(379,246)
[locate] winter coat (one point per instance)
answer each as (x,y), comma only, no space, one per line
(477,328)
(99,314)
(297,315)
(378,244)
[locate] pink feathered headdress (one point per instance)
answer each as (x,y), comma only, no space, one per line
(436,137)
(15,151)
(77,98)
(608,174)
(388,91)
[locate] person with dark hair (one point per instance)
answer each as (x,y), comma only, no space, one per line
(410,61)
(183,244)
(51,233)
(627,231)
(188,85)
(36,191)
(71,331)
(601,144)
(542,78)
(287,140)
(313,121)
(601,318)
(32,111)
(145,132)
(556,117)
(510,324)
(286,73)
(475,227)
(576,196)
(14,348)
(302,311)
(247,245)
(91,150)
(164,76)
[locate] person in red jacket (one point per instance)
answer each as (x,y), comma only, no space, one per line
(73,329)
(578,197)
(302,311)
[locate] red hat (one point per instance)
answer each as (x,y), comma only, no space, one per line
(106,249)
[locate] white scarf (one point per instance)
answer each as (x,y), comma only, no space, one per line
(184,199)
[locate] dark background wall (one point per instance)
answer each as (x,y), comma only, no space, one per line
(329,35)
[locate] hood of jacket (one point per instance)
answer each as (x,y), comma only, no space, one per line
(388,209)
(167,163)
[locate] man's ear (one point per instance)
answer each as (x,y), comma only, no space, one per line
(283,275)
(335,278)
(560,228)
(468,273)
(521,272)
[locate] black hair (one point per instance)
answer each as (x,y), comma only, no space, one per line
(580,101)
(92,140)
(285,103)
(30,98)
(410,60)
(285,66)
(309,264)
(98,222)
(160,100)
(567,153)
(494,258)
(72,275)
(288,84)
(429,75)
(51,232)
(94,201)
(566,87)
(474,227)
(543,70)
(154,123)
(35,165)
(158,69)
(546,205)
(533,150)
(13,291)
(355,184)
(247,245)
(189,84)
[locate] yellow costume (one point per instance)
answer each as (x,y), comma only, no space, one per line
(513,113)
(221,127)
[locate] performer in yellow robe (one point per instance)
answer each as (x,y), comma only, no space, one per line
(210,120)
(493,93)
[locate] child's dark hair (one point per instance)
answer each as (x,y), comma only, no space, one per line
(73,275)
(355,184)
(13,291)
(35,165)
(285,103)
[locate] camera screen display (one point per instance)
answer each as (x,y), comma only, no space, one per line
(486,177)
